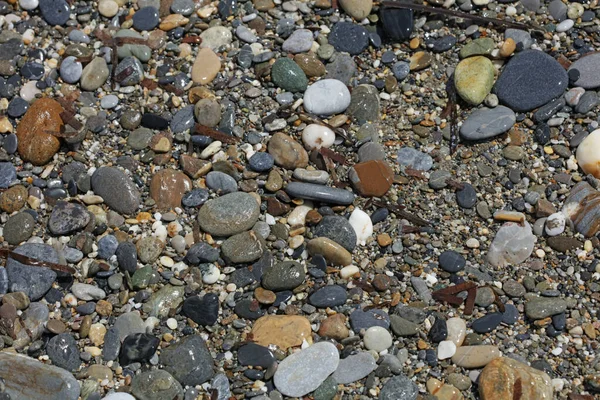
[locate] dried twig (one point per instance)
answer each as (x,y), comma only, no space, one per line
(450,111)
(215,134)
(399,211)
(34,262)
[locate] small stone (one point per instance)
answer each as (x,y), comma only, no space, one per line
(478,47)
(221,183)
(70,70)
(315,136)
(156,385)
(377,338)
(202,310)
(333,252)
(287,75)
(34,143)
(286,152)
(403,327)
(354,368)
(206,66)
(414,159)
(513,244)
(63,352)
(138,347)
(55,12)
(285,275)
(117,189)
(188,360)
(94,75)
(229,214)
(364,104)
(300,41)
(328,296)
(145,19)
(349,38)
(399,387)
(334,327)
(67,218)
(397,23)
(357,9)
(327,97)
(283,331)
(475,356)
(451,261)
(457,330)
(544,307)
(446,349)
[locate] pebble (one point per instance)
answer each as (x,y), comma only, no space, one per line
(34,144)
(475,356)
(71,70)
(414,159)
(300,41)
(287,152)
(354,368)
(474,78)
(521,88)
(145,19)
(33,281)
(315,136)
(206,66)
(94,75)
(202,310)
(188,360)
(303,372)
(62,351)
(8,174)
(586,157)
(288,75)
(586,66)
(397,23)
(283,331)
(357,9)
(349,37)
(327,97)
(372,178)
(328,296)
(326,194)
(399,387)
(535,384)
(229,214)
(117,189)
(451,261)
(543,307)
(513,244)
(486,123)
(377,339)
(67,218)
(55,12)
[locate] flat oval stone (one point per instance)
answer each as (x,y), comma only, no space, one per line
(67,218)
(287,75)
(325,194)
(451,261)
(156,385)
(285,275)
(485,123)
(587,66)
(117,189)
(283,331)
(338,229)
(50,383)
(487,323)
(327,97)
(328,296)
(474,78)
(206,66)
(188,360)
(414,159)
(255,355)
(333,252)
(475,356)
(230,214)
(303,372)
(34,143)
(544,307)
(168,186)
(397,22)
(522,87)
(287,152)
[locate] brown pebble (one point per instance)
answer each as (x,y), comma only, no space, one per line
(508,47)
(372,178)
(381,282)
(34,143)
(168,187)
(384,239)
(264,296)
(104,308)
(84,329)
(313,217)
(334,327)
(414,43)
(13,199)
(55,326)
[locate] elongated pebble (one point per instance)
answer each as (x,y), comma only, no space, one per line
(326,194)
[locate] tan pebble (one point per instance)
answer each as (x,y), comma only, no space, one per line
(97,332)
(5,125)
(508,47)
(283,331)
(414,43)
(206,66)
(108,8)
(173,21)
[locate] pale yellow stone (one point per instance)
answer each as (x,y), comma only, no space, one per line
(97,332)
(108,8)
(283,331)
(206,67)
(443,391)
(475,356)
(173,21)
(5,125)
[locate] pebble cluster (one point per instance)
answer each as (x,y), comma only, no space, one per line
(324,199)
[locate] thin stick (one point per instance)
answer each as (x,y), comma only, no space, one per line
(34,262)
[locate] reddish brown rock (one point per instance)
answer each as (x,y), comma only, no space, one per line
(35,144)
(372,178)
(194,167)
(505,378)
(334,327)
(168,187)
(310,64)
(13,198)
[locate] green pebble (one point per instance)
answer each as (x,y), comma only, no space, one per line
(287,75)
(141,278)
(327,390)
(478,47)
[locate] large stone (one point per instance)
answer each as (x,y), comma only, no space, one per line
(35,143)
(230,214)
(168,187)
(188,360)
(117,189)
(372,178)
(588,71)
(485,123)
(333,252)
(475,356)
(544,307)
(583,208)
(26,378)
(473,79)
(156,385)
(283,331)
(288,75)
(327,97)
(357,9)
(34,281)
(513,244)
(399,387)
(243,247)
(505,378)
(287,152)
(364,104)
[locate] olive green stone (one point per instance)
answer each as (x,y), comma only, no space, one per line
(327,390)
(474,79)
(141,278)
(288,75)
(478,47)
(514,153)
(167,298)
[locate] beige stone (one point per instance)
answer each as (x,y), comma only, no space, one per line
(505,378)
(475,356)
(333,252)
(283,331)
(357,9)
(206,67)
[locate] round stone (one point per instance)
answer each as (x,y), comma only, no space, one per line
(261,162)
(377,338)
(451,261)
(327,97)
(71,70)
(145,19)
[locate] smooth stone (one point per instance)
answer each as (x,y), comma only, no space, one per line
(457,330)
(399,387)
(478,47)
(206,66)
(33,281)
(520,37)
(156,385)
(475,356)
(327,97)
(285,275)
(364,104)
(544,307)
(360,319)
(202,310)
(303,372)
(505,378)
(8,174)
(252,354)
(63,352)
(221,183)
(94,75)
(70,70)
(451,261)
(522,88)
(487,323)
(244,247)
(50,383)
(18,228)
(188,360)
(288,75)
(397,23)
(34,143)
(283,331)
(474,79)
(229,214)
(55,12)
(377,338)
(414,159)
(558,10)
(310,64)
(372,178)
(587,66)
(338,229)
(67,218)
(315,136)
(216,37)
(342,67)
(287,152)
(328,296)
(327,390)
(164,300)
(334,327)
(349,38)
(300,41)
(261,162)
(512,244)
(183,120)
(168,186)
(245,34)
(325,194)
(486,123)
(133,69)
(333,252)
(145,19)
(446,349)
(354,368)
(138,347)
(87,292)
(117,189)
(588,160)
(403,327)
(371,151)
(467,196)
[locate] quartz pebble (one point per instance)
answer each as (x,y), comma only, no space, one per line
(327,97)
(315,136)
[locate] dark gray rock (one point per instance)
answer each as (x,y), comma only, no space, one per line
(117,189)
(338,229)
(67,218)
(285,275)
(33,281)
(188,360)
(63,352)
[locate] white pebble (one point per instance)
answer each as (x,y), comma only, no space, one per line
(362,225)
(446,349)
(511,11)
(29,90)
(167,261)
(472,243)
(565,25)
(212,275)
(557,351)
(119,396)
(349,271)
(211,149)
(377,338)
(588,156)
(298,215)
(108,8)
(29,4)
(555,224)
(172,323)
(315,136)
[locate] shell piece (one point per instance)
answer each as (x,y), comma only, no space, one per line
(582,207)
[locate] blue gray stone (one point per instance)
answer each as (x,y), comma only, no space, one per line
(325,194)
(33,281)
(414,159)
(486,123)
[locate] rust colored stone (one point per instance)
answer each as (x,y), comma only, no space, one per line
(334,327)
(13,199)
(503,378)
(168,187)
(194,167)
(36,145)
(372,178)
(283,331)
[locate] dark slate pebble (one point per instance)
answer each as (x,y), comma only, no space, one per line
(451,261)
(55,12)
(510,315)
(112,344)
(202,310)
(444,43)
(388,57)
(67,218)
(244,57)
(145,19)
(261,161)
(86,308)
(285,275)
(255,355)
(227,8)
(349,37)
(401,70)
(413,314)
(438,331)
(127,256)
(541,134)
(183,120)
(559,321)
(10,143)
(249,309)
(360,319)
(221,183)
(397,22)
(10,49)
(588,101)
(487,323)
(63,352)
(201,253)
(138,347)
(545,112)
(107,246)
(17,107)
(467,196)
(195,198)
(8,173)
(379,215)
(34,281)
(32,70)
(282,297)
(338,229)
(154,121)
(328,296)
(522,87)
